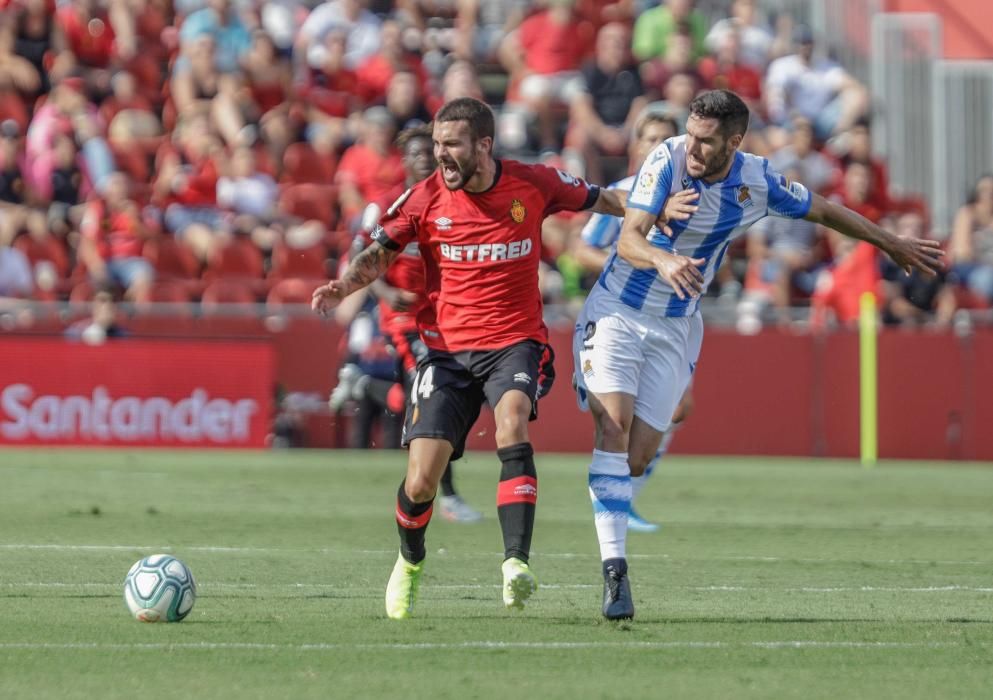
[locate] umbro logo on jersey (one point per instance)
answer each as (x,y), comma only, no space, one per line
(444,223)
(522,378)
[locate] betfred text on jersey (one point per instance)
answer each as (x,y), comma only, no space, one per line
(483,252)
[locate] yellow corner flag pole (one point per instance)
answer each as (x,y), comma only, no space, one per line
(867,377)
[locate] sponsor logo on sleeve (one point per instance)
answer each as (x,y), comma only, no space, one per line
(567,178)
(646,182)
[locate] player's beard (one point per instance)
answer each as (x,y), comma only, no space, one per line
(717,163)
(466,170)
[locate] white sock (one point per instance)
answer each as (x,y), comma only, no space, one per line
(610,492)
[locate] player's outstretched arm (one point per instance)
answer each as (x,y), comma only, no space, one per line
(361,271)
(908,253)
(679,271)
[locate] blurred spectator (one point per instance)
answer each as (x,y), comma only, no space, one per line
(754,36)
(129,115)
(16,278)
(69,189)
(679,91)
(726,70)
(376,72)
(187,186)
(855,270)
(971,244)
(268,80)
(112,240)
(816,88)
(914,299)
(222,22)
(856,146)
(654,28)
(481,25)
(678,58)
(855,191)
(405,102)
(65,112)
(814,169)
(331,92)
(601,118)
(198,87)
(15,212)
(544,55)
(461,80)
(250,196)
(369,168)
(352,20)
(102,323)
(36,34)
(17,74)
(91,43)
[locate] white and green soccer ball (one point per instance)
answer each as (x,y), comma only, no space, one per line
(160,588)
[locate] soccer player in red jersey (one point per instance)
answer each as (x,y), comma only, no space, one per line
(477,224)
(401,296)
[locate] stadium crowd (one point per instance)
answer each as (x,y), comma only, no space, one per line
(223,151)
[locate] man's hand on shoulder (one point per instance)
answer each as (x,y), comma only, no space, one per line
(678,207)
(681,273)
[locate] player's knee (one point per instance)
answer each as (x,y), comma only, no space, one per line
(638,463)
(420,488)
(511,429)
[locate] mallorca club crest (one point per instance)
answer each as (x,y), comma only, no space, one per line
(517,211)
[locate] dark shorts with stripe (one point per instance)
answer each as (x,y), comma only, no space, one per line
(450,389)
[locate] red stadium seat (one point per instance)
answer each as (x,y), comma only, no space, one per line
(226,292)
(302,164)
(171,260)
(292,291)
(310,262)
(308,201)
(170,292)
(239,259)
(48,249)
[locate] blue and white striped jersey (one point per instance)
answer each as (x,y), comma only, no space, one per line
(602,230)
(750,192)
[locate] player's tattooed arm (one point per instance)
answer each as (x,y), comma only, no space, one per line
(908,253)
(361,271)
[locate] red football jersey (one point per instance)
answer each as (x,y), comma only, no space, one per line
(407,273)
(481,252)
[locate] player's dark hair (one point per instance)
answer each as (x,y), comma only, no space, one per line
(466,109)
(725,107)
(421,131)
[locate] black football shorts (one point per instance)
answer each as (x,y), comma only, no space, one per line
(450,388)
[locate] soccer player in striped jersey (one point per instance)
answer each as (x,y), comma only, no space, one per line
(596,241)
(640,331)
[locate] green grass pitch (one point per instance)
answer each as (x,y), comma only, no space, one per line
(771,578)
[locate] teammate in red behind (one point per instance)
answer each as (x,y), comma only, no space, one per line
(477,224)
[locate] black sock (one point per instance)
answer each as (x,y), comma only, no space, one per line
(447,485)
(516,498)
(412,522)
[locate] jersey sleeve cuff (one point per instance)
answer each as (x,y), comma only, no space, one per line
(591,197)
(382,238)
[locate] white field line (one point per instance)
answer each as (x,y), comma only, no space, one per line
(471,645)
(207,586)
(392,552)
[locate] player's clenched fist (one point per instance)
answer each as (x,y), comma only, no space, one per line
(328,296)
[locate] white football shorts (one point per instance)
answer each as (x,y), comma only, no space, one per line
(619,349)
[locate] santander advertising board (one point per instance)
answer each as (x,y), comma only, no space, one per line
(135,393)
